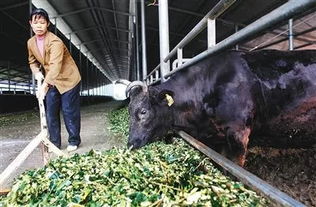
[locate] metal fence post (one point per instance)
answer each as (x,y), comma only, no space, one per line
(137,42)
(236,30)
(211,32)
(164,38)
(31,34)
(80,69)
(9,76)
(144,57)
(291,44)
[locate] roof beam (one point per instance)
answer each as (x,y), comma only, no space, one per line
(115,21)
(91,8)
(97,27)
(100,49)
(100,40)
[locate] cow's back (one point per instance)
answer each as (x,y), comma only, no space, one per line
(285,96)
(271,64)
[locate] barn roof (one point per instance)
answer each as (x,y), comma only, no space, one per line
(103,31)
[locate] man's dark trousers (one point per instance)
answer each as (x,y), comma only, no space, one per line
(69,103)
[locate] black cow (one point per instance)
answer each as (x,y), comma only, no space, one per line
(224,99)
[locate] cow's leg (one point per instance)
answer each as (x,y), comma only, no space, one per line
(238,138)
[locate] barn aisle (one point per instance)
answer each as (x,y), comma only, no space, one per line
(17,130)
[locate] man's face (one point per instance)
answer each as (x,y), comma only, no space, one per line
(39,25)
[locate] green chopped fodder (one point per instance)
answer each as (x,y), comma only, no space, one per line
(158,174)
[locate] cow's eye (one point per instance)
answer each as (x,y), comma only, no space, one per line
(143,111)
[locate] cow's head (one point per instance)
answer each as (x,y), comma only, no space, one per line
(150,113)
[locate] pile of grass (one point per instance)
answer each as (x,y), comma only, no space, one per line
(158,174)
(119,122)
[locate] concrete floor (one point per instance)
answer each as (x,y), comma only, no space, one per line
(94,135)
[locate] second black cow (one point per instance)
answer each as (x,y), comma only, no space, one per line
(231,98)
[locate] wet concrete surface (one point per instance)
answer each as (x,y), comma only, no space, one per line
(94,135)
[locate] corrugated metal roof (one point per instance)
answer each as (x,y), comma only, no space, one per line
(105,28)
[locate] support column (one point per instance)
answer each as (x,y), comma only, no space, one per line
(55,31)
(134,73)
(80,69)
(164,38)
(98,83)
(137,42)
(144,59)
(156,75)
(31,34)
(9,76)
(211,32)
(70,46)
(236,30)
(180,57)
(30,11)
(87,73)
(30,81)
(291,45)
(95,92)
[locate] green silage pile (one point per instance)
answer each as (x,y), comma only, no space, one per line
(156,175)
(119,122)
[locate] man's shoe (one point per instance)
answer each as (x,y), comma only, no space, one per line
(71,148)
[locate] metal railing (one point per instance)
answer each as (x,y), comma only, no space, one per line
(282,13)
(15,89)
(14,79)
(207,21)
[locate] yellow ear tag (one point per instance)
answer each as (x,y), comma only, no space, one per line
(169,99)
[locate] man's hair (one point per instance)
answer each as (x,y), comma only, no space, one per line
(39,12)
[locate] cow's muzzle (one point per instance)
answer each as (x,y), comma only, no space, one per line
(135,143)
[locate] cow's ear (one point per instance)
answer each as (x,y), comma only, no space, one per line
(166,96)
(161,97)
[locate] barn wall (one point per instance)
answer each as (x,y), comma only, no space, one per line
(14,103)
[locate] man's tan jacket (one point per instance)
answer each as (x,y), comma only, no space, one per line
(60,68)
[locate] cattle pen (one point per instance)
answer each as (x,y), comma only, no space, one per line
(150,54)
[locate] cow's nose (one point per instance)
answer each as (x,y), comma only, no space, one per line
(133,143)
(129,144)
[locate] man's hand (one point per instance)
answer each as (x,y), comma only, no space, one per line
(41,93)
(38,76)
